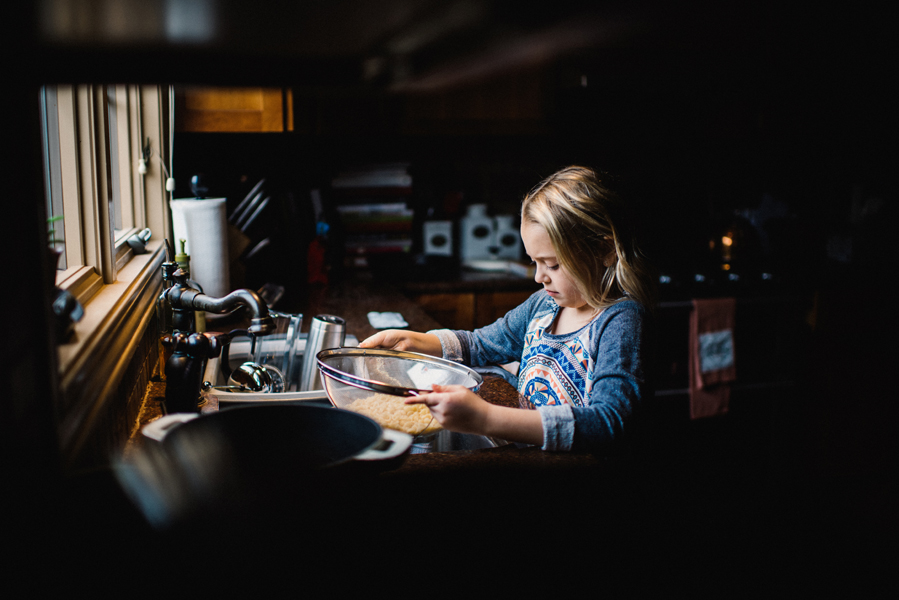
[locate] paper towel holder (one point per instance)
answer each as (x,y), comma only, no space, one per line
(138,241)
(199,185)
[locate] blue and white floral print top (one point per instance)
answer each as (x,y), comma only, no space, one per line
(586,384)
(555,369)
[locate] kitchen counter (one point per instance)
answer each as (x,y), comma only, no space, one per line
(352,300)
(494,390)
(458,496)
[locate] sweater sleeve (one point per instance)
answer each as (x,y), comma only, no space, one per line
(619,384)
(619,376)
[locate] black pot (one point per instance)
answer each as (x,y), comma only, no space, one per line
(255,464)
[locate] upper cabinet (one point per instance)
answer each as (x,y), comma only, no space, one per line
(509,103)
(218,109)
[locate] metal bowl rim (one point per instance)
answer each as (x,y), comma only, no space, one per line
(368,384)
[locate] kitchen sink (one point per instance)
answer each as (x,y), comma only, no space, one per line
(239,352)
(450,441)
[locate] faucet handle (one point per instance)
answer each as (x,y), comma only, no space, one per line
(262,325)
(208,344)
(180,275)
(218,340)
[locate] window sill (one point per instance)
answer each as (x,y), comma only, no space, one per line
(81,282)
(92,365)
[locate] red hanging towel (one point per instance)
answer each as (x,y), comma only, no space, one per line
(712,356)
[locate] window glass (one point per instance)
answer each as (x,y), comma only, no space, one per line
(52,172)
(113,153)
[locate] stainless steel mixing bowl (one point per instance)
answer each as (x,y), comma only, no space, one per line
(374,382)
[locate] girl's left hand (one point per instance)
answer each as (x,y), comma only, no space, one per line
(456,408)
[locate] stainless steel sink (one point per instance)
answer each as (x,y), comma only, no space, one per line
(450,441)
(442,441)
(239,352)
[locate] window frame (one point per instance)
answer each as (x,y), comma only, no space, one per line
(116,288)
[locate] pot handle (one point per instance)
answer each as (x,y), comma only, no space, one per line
(158,429)
(392,444)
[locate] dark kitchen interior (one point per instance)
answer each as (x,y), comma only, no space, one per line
(770,119)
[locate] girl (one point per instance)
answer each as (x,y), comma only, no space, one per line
(581,340)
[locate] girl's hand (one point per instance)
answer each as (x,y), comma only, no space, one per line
(456,408)
(409,341)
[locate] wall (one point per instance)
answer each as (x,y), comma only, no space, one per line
(117,423)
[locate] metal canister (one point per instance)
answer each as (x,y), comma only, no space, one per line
(325,332)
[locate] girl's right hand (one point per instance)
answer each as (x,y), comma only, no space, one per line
(408,341)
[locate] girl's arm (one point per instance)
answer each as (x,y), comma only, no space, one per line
(620,385)
(409,341)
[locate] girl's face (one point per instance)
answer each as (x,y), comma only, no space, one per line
(557,283)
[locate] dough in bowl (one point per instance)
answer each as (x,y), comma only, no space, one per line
(392,412)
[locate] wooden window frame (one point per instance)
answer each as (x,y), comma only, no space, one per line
(116,288)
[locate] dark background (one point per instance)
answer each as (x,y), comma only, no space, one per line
(706,114)
(698,111)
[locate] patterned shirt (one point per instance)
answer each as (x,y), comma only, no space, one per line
(555,369)
(586,384)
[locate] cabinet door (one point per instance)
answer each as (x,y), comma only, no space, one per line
(214,109)
(452,311)
(490,306)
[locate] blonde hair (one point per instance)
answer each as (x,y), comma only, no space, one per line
(589,226)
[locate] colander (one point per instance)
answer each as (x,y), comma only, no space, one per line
(375,382)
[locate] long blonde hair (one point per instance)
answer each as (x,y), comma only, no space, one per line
(592,234)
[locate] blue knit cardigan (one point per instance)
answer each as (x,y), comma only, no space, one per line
(586,384)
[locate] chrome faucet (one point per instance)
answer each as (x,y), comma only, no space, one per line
(190,350)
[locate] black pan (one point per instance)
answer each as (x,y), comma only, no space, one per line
(253,460)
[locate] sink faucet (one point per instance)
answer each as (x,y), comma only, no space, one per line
(190,350)
(185,300)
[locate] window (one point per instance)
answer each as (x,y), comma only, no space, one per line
(94,138)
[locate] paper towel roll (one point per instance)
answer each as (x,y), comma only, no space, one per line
(204,224)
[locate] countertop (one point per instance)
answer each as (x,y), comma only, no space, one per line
(458,497)
(352,300)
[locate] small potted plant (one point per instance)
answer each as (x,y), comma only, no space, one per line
(66,308)
(54,243)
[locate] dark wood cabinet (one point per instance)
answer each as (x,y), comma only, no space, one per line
(469,310)
(220,109)
(451,310)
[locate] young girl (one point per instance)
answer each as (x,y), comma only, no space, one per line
(581,341)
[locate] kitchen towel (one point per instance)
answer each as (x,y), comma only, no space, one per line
(204,224)
(387,320)
(712,356)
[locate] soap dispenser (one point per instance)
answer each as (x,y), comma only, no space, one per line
(183,260)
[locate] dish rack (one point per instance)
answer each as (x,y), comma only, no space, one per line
(239,352)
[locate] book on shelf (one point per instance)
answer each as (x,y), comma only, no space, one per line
(369,195)
(377,246)
(372,203)
(384,175)
(361,250)
(398,206)
(374,218)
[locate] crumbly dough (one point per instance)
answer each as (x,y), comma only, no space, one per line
(392,412)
